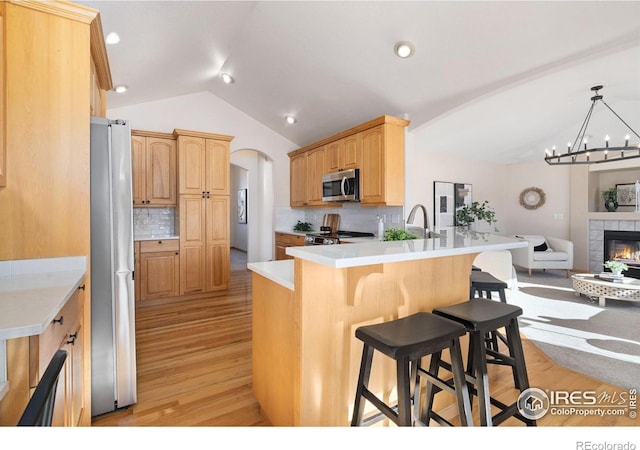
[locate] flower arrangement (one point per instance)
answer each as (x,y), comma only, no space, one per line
(477,211)
(616,266)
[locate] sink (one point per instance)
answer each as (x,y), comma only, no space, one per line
(419,231)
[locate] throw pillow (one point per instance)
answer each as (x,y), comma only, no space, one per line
(541,248)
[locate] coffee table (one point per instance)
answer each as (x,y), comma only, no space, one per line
(591,286)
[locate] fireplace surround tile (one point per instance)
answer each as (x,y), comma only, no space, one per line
(596,238)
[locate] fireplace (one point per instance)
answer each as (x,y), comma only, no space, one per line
(623,246)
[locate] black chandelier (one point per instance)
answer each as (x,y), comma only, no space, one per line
(594,155)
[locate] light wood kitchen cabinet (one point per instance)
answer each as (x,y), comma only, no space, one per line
(343,154)
(65,332)
(203,179)
(47,50)
(284,240)
(375,147)
(298,180)
(159,269)
(315,170)
(306,172)
(3,156)
(204,243)
(203,165)
(153,167)
(136,270)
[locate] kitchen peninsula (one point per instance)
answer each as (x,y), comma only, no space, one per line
(306,310)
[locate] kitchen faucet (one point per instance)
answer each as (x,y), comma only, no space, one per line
(412,216)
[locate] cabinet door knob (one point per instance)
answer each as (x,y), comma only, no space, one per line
(83,287)
(60,320)
(72,338)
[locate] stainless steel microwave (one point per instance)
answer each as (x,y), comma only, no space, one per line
(343,186)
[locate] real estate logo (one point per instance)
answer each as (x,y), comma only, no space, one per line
(534,403)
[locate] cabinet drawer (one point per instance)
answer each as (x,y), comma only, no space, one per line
(291,239)
(43,346)
(161,245)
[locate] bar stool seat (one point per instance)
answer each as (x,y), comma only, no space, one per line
(481,316)
(407,340)
(483,284)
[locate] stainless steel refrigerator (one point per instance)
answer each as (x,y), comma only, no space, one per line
(113,349)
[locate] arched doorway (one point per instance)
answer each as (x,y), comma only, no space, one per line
(257,170)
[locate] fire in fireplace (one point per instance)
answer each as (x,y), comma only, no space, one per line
(623,246)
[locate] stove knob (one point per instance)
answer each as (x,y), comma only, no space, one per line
(328,241)
(308,240)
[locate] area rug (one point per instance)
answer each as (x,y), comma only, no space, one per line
(575,332)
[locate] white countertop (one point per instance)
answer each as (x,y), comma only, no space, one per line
(155,238)
(454,241)
(366,251)
(280,272)
(33,291)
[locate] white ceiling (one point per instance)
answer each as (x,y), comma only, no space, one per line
(497,81)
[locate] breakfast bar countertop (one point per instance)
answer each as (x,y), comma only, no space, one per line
(452,241)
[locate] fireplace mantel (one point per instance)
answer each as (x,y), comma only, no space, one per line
(613,216)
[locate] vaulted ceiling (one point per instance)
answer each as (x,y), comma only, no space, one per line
(498,81)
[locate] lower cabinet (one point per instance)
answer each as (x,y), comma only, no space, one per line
(284,240)
(64,333)
(159,272)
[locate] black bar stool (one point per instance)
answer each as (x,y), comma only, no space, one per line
(482,316)
(407,340)
(483,284)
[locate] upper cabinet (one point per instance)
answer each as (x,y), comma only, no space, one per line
(298,180)
(3,156)
(344,154)
(3,178)
(153,165)
(203,162)
(306,177)
(375,147)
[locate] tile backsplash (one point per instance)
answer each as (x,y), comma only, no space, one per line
(154,222)
(353,217)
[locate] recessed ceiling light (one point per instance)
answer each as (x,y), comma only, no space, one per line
(112,38)
(227,78)
(290,119)
(404,49)
(120,89)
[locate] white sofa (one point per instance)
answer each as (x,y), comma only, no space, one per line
(558,253)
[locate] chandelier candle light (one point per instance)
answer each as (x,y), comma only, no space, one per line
(594,155)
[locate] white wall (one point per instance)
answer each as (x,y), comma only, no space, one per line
(205,112)
(500,184)
(551,219)
(424,165)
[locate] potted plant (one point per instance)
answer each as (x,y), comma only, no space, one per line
(610,197)
(469,214)
(397,234)
(616,267)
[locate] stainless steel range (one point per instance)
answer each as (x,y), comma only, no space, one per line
(327,238)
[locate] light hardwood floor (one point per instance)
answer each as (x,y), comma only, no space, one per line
(194,367)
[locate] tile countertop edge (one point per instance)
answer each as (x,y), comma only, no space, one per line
(280,272)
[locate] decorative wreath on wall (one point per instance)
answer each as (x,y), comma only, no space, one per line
(532,198)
